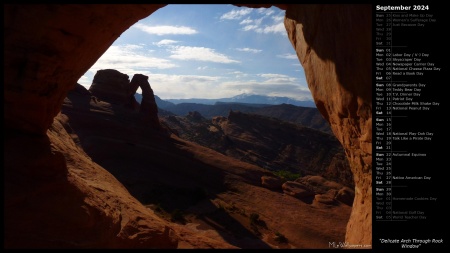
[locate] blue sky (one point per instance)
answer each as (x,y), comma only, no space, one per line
(209,51)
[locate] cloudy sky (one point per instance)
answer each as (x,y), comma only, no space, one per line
(208,51)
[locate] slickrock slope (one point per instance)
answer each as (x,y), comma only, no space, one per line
(47,48)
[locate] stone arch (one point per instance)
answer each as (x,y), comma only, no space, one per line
(48,47)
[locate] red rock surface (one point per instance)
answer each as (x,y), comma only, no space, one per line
(333,43)
(47,48)
(297,190)
(273,183)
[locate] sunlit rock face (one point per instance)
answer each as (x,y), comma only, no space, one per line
(47,48)
(333,43)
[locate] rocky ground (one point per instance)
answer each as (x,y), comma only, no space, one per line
(270,143)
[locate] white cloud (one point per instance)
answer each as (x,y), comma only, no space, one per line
(199,54)
(200,86)
(265,11)
(236,14)
(129,47)
(261,26)
(251,21)
(288,56)
(269,75)
(202,68)
(279,79)
(84,80)
(187,86)
(246,21)
(249,27)
(129,59)
(277,19)
(165,29)
(258,21)
(164,42)
(272,85)
(251,50)
(277,28)
(184,79)
(238,74)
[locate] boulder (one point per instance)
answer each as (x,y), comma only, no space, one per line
(346,196)
(272,183)
(297,190)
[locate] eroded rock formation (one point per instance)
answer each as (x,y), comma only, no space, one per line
(297,190)
(273,183)
(148,108)
(110,85)
(132,88)
(115,88)
(48,47)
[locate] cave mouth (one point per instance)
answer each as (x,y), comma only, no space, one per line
(148,35)
(36,84)
(157,195)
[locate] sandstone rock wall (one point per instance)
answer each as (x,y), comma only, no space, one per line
(333,43)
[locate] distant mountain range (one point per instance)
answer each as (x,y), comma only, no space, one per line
(243,98)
